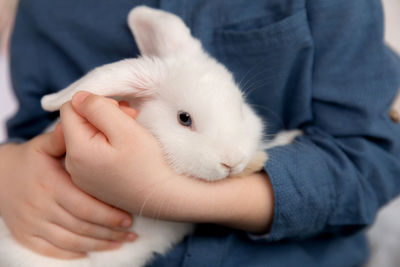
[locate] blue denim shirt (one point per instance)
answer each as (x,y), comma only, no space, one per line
(317,65)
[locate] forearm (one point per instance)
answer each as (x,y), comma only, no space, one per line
(242,203)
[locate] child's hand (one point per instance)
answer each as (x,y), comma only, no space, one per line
(112,165)
(112,157)
(45,211)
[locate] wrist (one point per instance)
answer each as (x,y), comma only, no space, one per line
(245,203)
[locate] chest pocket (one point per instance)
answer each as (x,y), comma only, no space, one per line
(272,64)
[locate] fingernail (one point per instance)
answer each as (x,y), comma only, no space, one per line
(81,255)
(79,97)
(126,223)
(114,245)
(123,103)
(131,237)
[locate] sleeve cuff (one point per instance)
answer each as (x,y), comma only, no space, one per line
(303,196)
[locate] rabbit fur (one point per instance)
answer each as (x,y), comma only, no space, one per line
(173,74)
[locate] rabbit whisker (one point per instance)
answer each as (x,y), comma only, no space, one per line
(248,72)
(166,200)
(155,187)
(265,70)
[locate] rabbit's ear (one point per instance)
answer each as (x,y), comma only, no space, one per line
(125,78)
(159,33)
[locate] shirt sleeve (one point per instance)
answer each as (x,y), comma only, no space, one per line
(336,176)
(28,62)
(56,42)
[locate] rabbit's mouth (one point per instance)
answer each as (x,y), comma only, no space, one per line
(222,171)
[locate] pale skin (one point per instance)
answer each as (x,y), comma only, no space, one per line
(45,211)
(114,159)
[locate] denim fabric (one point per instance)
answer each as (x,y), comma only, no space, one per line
(317,65)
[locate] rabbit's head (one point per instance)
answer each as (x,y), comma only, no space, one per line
(187,99)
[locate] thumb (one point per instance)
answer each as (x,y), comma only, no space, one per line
(104,114)
(52,143)
(124,106)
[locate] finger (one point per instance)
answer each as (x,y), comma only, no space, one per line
(52,143)
(123,103)
(102,114)
(77,130)
(58,133)
(73,224)
(44,247)
(89,209)
(129,111)
(67,240)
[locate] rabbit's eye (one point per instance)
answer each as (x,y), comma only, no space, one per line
(184,118)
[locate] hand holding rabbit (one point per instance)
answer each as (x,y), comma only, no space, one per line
(194,126)
(122,164)
(44,210)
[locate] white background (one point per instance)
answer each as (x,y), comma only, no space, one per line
(7,101)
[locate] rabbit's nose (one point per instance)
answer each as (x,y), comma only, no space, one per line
(231,158)
(232,163)
(226,166)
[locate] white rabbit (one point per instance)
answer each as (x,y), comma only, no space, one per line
(174,76)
